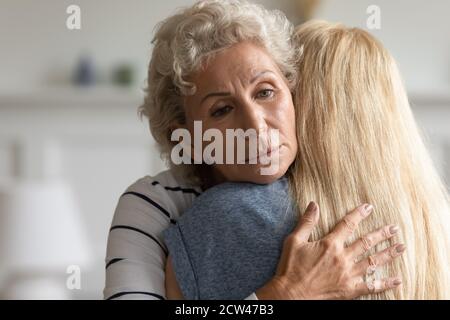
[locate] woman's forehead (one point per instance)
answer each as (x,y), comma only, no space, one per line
(245,74)
(243,59)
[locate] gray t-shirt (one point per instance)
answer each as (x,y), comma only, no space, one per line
(229,242)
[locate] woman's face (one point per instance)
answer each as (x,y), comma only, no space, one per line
(243,88)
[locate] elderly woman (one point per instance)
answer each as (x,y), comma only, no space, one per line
(230,65)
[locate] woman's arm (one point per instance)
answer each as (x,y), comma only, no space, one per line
(326,269)
(136,253)
(173,291)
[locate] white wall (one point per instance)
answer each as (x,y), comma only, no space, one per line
(36,47)
(416,32)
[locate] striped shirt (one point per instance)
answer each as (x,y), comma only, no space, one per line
(136,253)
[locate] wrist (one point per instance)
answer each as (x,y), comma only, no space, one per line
(272,290)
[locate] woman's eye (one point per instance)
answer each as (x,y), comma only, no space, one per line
(266,93)
(221,111)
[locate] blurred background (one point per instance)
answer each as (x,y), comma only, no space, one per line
(71,140)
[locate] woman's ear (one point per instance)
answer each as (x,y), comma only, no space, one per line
(176,124)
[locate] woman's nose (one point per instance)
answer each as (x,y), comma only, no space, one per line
(253,117)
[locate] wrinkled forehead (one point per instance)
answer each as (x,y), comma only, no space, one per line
(240,62)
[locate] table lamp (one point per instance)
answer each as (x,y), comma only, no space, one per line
(41,235)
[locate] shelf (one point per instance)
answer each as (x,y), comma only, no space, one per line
(109,96)
(73,97)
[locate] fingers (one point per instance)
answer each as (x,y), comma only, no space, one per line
(380,258)
(350,222)
(376,286)
(307,222)
(368,241)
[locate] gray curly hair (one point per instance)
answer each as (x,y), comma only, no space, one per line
(186,40)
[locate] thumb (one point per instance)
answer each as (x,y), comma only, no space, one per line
(307,222)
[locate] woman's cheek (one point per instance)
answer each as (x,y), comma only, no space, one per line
(284,115)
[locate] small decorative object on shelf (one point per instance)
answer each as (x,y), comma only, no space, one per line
(123,75)
(85,73)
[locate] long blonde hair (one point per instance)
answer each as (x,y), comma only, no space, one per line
(358,143)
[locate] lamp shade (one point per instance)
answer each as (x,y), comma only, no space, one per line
(40,227)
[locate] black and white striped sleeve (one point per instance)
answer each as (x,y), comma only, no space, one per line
(136,254)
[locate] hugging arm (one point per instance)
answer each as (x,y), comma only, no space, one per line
(324,269)
(173,291)
(136,255)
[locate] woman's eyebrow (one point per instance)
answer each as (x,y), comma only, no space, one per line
(260,74)
(220,94)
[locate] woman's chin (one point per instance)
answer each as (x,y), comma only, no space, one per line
(256,174)
(266,178)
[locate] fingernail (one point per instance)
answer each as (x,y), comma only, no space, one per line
(400,248)
(397,282)
(393,229)
(311,206)
(367,209)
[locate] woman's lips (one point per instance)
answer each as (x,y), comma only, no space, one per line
(270,151)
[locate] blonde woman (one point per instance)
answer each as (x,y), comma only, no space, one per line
(357,142)
(251,74)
